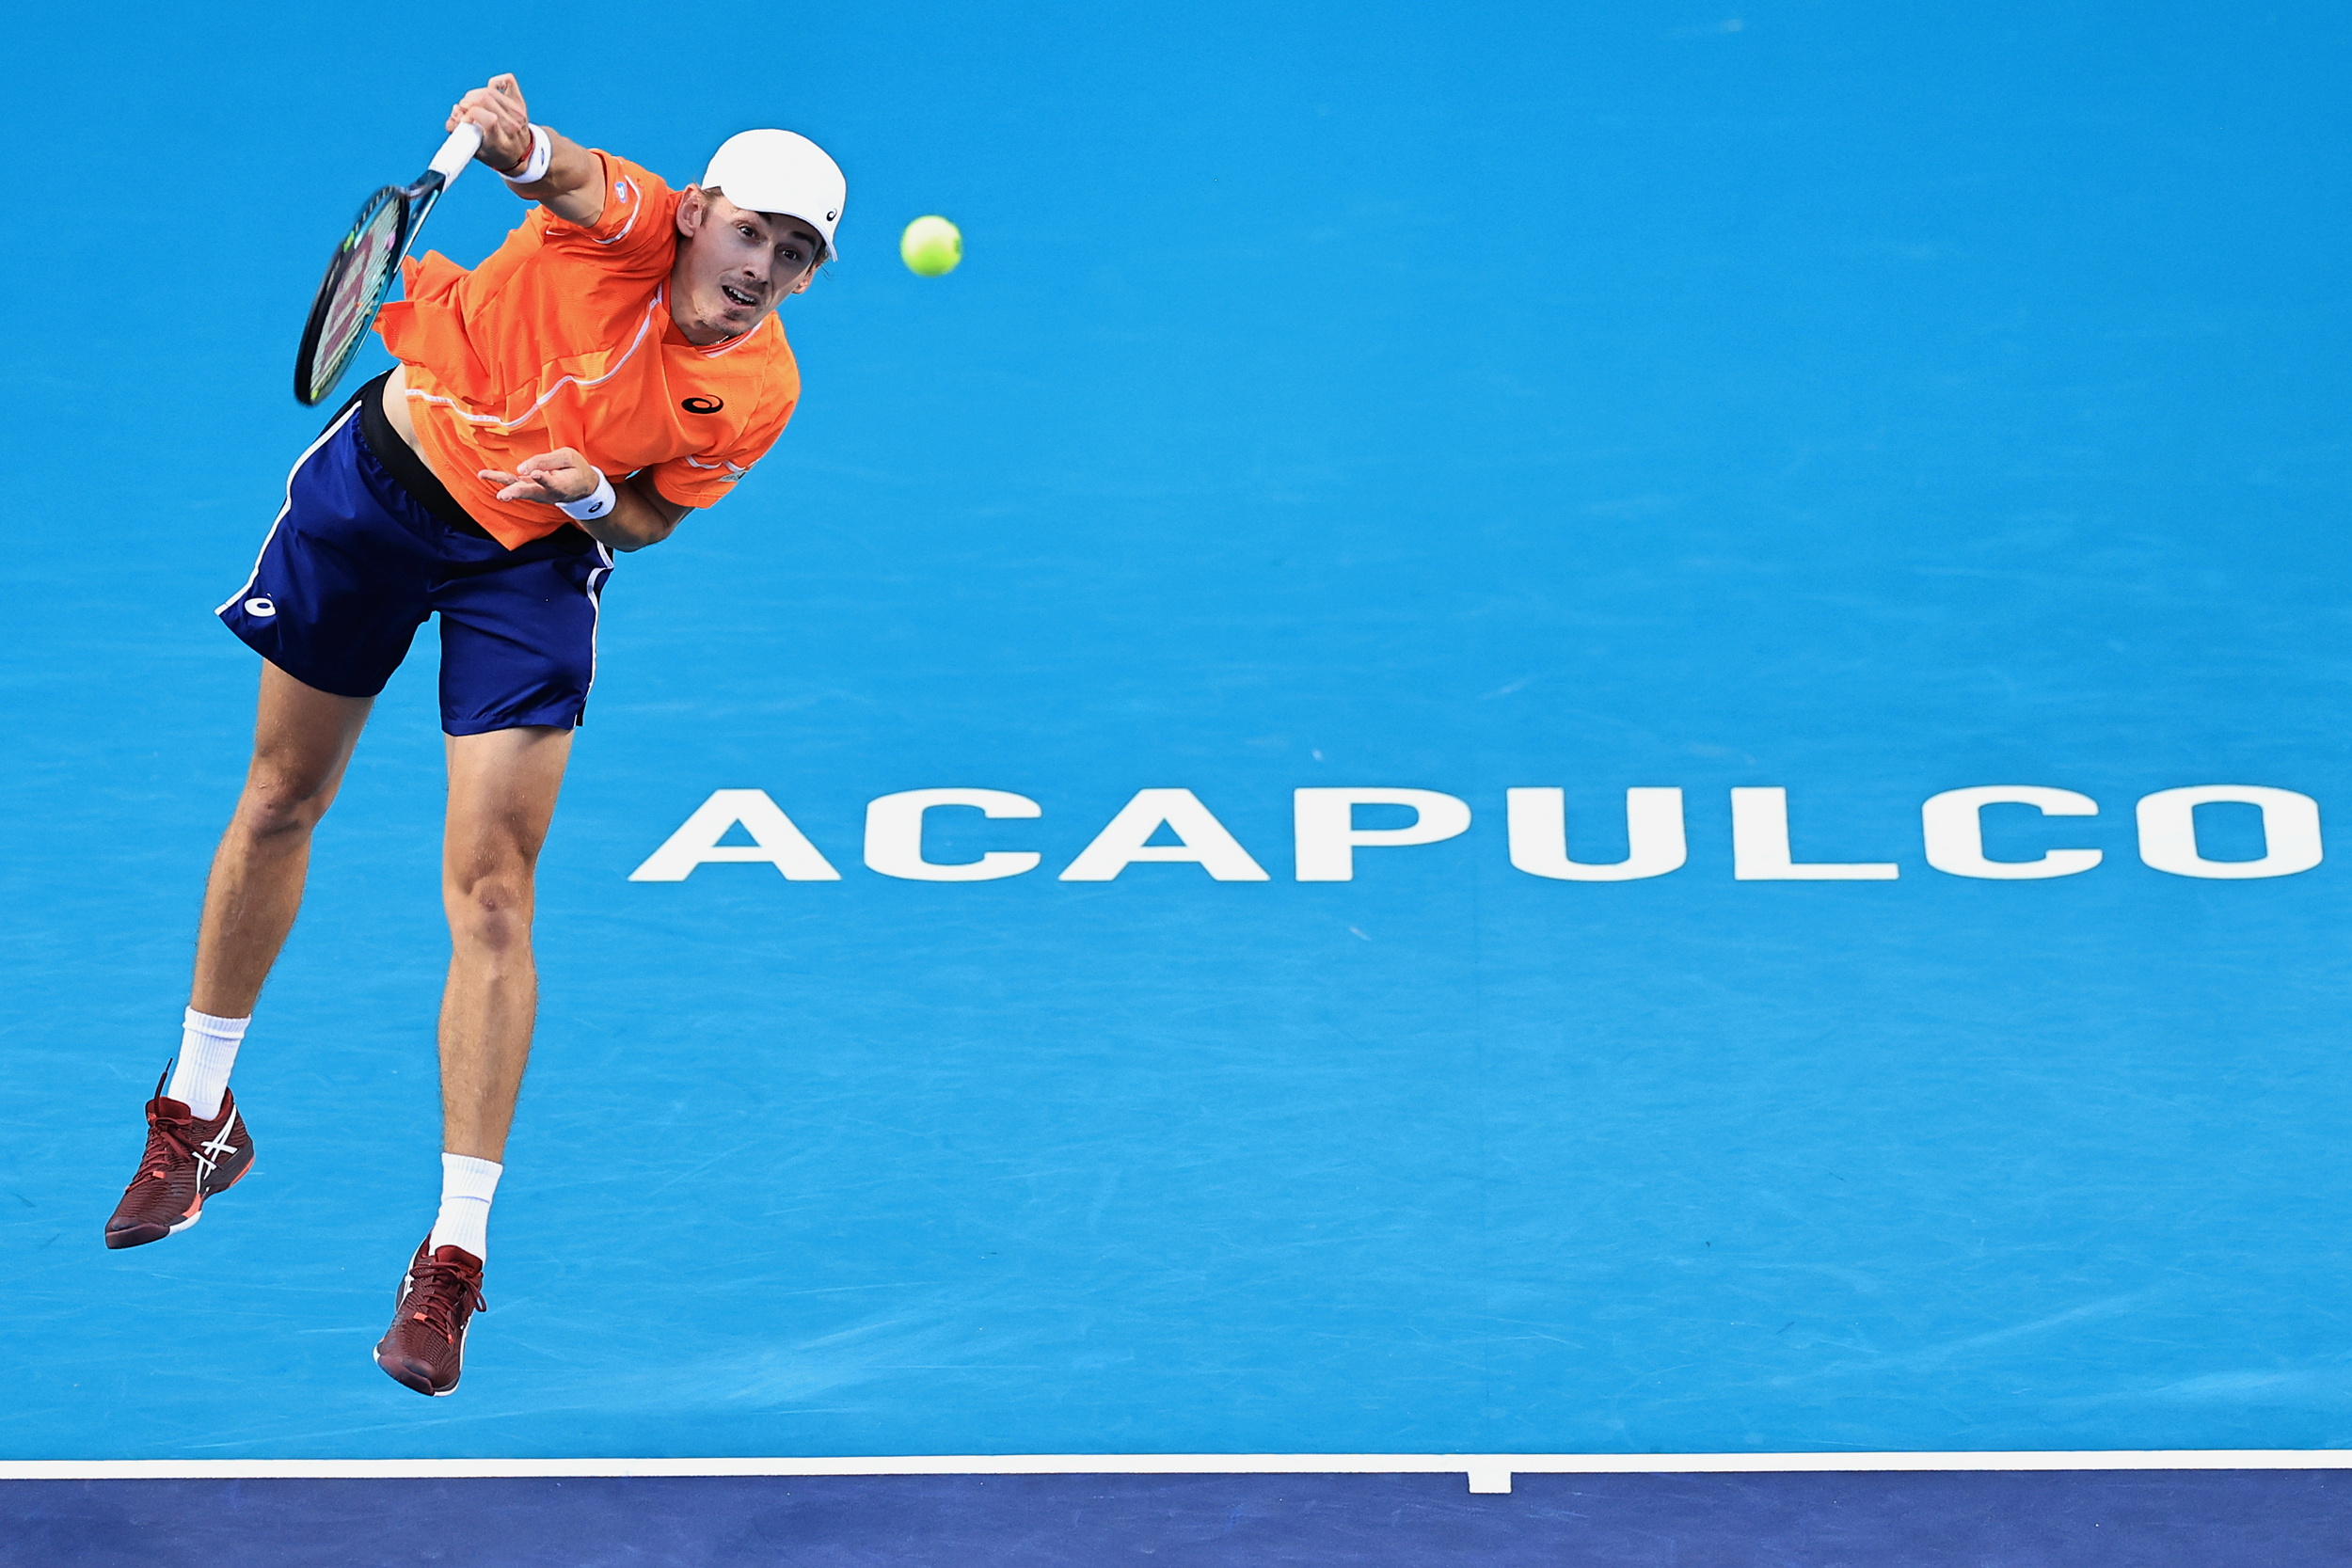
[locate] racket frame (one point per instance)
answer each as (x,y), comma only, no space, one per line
(414,203)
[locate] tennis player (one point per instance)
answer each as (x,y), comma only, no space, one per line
(614,365)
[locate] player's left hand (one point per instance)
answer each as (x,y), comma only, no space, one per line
(556,476)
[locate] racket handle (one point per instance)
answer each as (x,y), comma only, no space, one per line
(457,151)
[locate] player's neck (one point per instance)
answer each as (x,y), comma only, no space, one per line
(703,335)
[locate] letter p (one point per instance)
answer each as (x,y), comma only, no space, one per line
(1324,822)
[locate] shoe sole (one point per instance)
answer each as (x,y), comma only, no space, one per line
(141,1234)
(421,1382)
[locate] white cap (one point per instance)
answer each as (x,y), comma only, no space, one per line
(776,171)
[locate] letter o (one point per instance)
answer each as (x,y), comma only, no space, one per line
(2167,832)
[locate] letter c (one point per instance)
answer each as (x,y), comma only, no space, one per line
(894,835)
(1955,832)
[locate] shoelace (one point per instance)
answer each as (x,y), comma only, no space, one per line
(444,1288)
(165,1137)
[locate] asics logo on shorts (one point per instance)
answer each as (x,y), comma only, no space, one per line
(260,607)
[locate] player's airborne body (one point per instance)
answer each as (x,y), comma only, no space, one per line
(614,365)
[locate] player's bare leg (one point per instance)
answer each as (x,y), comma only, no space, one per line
(501,797)
(302,742)
(197,1144)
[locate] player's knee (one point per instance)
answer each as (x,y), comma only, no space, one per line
(491,912)
(277,802)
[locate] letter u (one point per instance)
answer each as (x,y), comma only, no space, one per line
(1539,836)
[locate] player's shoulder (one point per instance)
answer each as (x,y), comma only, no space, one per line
(636,206)
(625,176)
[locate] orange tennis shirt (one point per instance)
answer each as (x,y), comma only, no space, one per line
(562,337)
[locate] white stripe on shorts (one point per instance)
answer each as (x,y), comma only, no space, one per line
(596,620)
(349,414)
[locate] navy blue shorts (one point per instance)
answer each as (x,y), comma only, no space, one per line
(357,559)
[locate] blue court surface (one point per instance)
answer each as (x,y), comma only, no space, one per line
(1813,409)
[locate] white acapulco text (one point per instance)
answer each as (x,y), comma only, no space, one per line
(1326,836)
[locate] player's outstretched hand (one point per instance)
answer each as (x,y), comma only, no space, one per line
(497,108)
(559,476)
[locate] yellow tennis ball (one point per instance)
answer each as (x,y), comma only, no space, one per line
(931,247)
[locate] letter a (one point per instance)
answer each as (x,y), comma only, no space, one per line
(774,841)
(1202,839)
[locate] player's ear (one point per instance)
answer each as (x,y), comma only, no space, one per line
(692,205)
(806,279)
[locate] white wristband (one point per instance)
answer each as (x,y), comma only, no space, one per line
(601,501)
(536,166)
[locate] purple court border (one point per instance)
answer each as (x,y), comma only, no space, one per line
(2205,1509)
(1485,1472)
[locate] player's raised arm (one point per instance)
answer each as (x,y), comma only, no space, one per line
(542,165)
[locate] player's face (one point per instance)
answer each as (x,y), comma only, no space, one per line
(733,267)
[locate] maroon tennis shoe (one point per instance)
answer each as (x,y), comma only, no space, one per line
(187,1160)
(425,1347)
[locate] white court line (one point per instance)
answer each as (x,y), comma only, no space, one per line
(1487,1472)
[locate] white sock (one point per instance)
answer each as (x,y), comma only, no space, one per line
(466,1184)
(208,1048)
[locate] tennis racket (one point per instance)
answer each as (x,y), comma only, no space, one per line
(361,271)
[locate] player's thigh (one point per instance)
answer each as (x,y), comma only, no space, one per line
(302,742)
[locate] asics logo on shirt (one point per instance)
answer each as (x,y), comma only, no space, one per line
(259,607)
(702,405)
